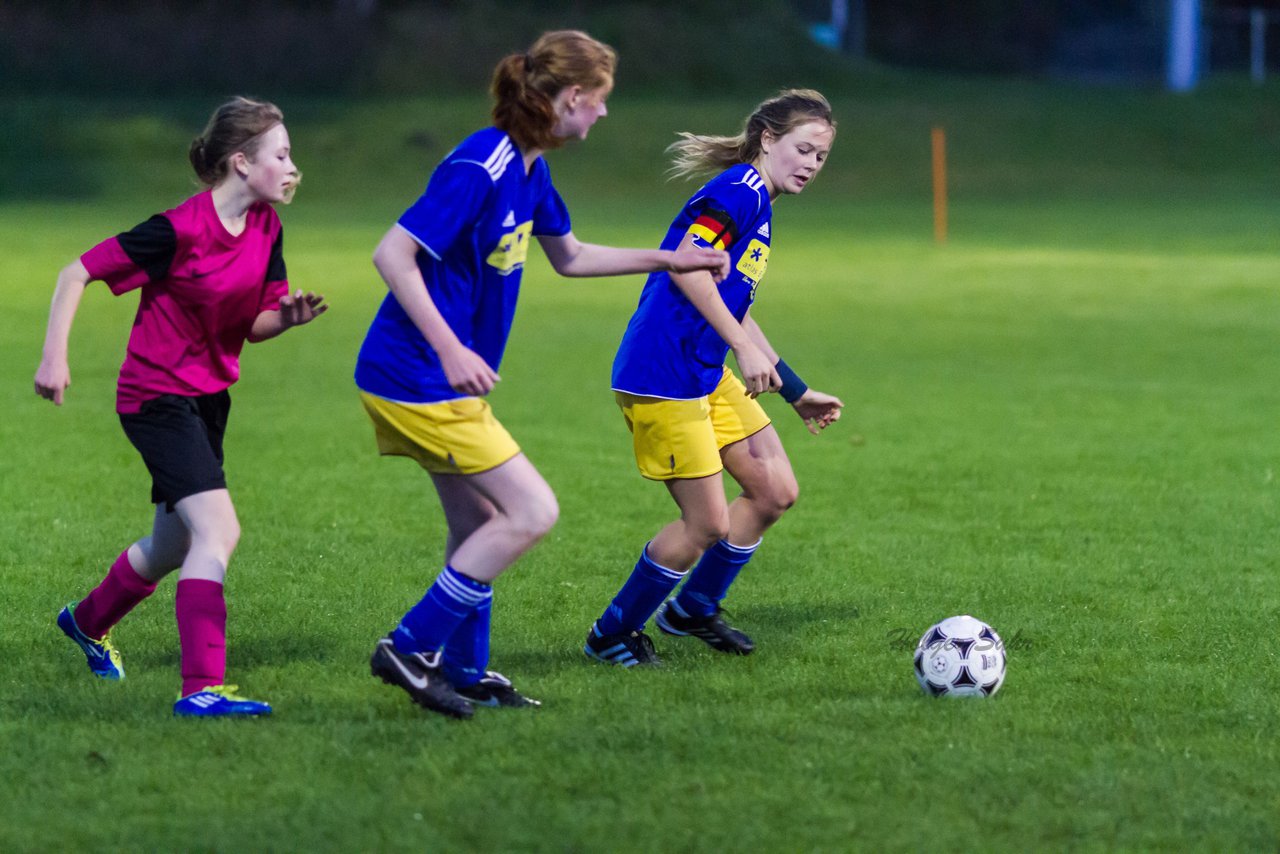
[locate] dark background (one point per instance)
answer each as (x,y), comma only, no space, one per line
(394,47)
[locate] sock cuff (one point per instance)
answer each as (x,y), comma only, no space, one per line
(745,551)
(463,588)
(659,569)
(123,572)
(198,591)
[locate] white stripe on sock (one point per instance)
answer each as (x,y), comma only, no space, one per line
(459,591)
(742,550)
(673,574)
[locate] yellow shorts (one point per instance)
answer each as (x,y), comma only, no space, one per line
(681,439)
(454,437)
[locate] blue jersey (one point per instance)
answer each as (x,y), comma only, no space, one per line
(472,226)
(669,349)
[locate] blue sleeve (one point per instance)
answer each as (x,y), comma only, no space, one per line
(721,212)
(550,216)
(739,201)
(453,201)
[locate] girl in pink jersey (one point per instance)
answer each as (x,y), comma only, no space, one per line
(211,274)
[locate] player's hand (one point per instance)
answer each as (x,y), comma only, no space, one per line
(52,379)
(468,373)
(300,308)
(758,373)
(689,258)
(819,410)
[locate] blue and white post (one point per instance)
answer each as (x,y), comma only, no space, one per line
(1183,70)
(1258,45)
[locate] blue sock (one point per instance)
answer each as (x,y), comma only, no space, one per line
(466,652)
(709,581)
(449,600)
(649,585)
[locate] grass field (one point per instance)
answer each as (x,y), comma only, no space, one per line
(1063,421)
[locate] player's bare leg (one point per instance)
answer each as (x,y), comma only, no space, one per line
(499,515)
(704,519)
(760,466)
(164,549)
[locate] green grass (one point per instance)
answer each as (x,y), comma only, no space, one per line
(1062,421)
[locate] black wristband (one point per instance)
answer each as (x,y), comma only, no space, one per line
(793,388)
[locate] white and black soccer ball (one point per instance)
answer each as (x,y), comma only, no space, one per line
(960,657)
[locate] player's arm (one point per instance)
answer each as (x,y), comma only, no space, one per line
(757,335)
(396,261)
(53,375)
(293,311)
(818,409)
(569,256)
(700,289)
(279,311)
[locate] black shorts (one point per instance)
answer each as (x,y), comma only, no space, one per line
(180,439)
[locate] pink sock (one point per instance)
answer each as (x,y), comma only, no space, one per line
(116,596)
(202,630)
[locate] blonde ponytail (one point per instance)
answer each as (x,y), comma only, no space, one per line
(695,154)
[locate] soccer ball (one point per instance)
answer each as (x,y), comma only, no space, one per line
(960,657)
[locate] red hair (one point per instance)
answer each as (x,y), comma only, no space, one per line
(525,84)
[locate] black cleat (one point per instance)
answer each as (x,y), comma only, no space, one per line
(627,649)
(494,689)
(421,675)
(711,629)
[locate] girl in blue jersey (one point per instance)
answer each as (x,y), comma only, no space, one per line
(690,417)
(453,263)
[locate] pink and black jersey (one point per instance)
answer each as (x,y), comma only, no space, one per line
(202,288)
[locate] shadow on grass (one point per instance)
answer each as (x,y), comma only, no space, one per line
(273,649)
(780,618)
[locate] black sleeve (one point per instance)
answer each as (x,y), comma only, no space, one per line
(151,246)
(275,266)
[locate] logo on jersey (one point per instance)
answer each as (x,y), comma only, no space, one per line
(753,263)
(763,231)
(512,249)
(511,220)
(715,228)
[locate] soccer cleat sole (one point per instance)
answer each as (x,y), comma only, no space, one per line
(618,655)
(256,710)
(707,636)
(391,676)
(219,701)
(622,653)
(506,697)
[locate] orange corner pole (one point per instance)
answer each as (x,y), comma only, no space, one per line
(939,185)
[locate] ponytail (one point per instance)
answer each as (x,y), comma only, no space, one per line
(520,109)
(235,126)
(695,154)
(525,84)
(199,158)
